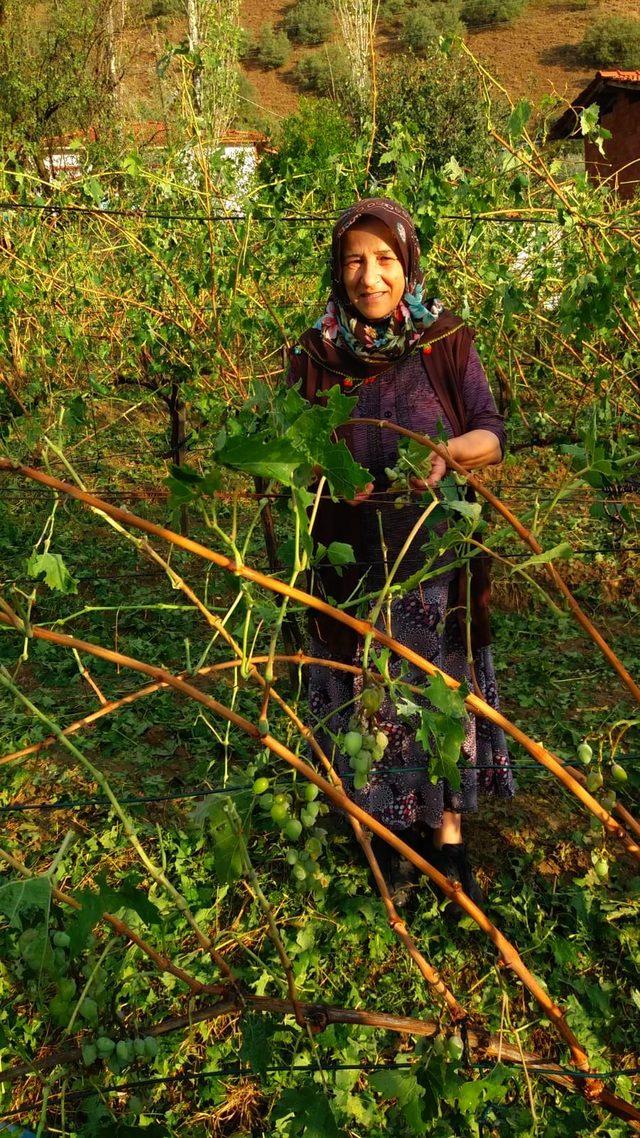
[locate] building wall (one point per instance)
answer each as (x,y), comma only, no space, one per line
(621,150)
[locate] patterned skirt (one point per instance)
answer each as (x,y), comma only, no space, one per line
(400,793)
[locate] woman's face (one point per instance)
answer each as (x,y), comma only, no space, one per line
(372,272)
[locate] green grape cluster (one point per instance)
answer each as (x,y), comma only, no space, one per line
(121,1053)
(595,781)
(363,742)
(295,814)
(400,474)
(595,777)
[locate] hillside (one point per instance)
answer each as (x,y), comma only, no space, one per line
(536,55)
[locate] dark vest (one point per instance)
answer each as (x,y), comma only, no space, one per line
(445,365)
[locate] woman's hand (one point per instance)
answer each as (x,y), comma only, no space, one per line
(438,471)
(361,496)
(473,449)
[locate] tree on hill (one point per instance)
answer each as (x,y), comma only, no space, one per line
(57,67)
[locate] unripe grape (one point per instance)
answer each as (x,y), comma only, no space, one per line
(352,742)
(585,753)
(455,1047)
(618,772)
(372,699)
(361,763)
(279,811)
(260,785)
(124,1050)
(310,792)
(89,1009)
(293,829)
(601,868)
(594,781)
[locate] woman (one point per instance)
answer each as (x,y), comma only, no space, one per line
(412,362)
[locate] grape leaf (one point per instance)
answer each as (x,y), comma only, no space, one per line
(227,848)
(589,118)
(448,700)
(442,738)
(470,510)
(518,119)
(563,550)
(259,454)
(406,1090)
(18,897)
(56,574)
(341,553)
(311,1111)
(95,903)
(257,1033)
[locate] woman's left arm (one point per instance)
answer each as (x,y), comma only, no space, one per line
(483,442)
(475,448)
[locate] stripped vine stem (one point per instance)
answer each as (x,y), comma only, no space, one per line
(529,540)
(362,627)
(454,892)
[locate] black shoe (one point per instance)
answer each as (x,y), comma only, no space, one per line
(452,861)
(399,873)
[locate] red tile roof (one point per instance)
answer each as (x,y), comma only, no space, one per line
(155,134)
(620,76)
(600,88)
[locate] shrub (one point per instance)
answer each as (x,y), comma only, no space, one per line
(273,48)
(325,72)
(422,26)
(315,157)
(393,12)
(436,101)
(491,11)
(245,44)
(612,42)
(160,8)
(309,22)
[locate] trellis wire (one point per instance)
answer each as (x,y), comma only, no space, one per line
(328,215)
(236,1069)
(205,791)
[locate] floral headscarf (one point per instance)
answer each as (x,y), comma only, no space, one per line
(375,341)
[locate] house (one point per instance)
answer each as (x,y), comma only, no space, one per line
(66,155)
(617,94)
